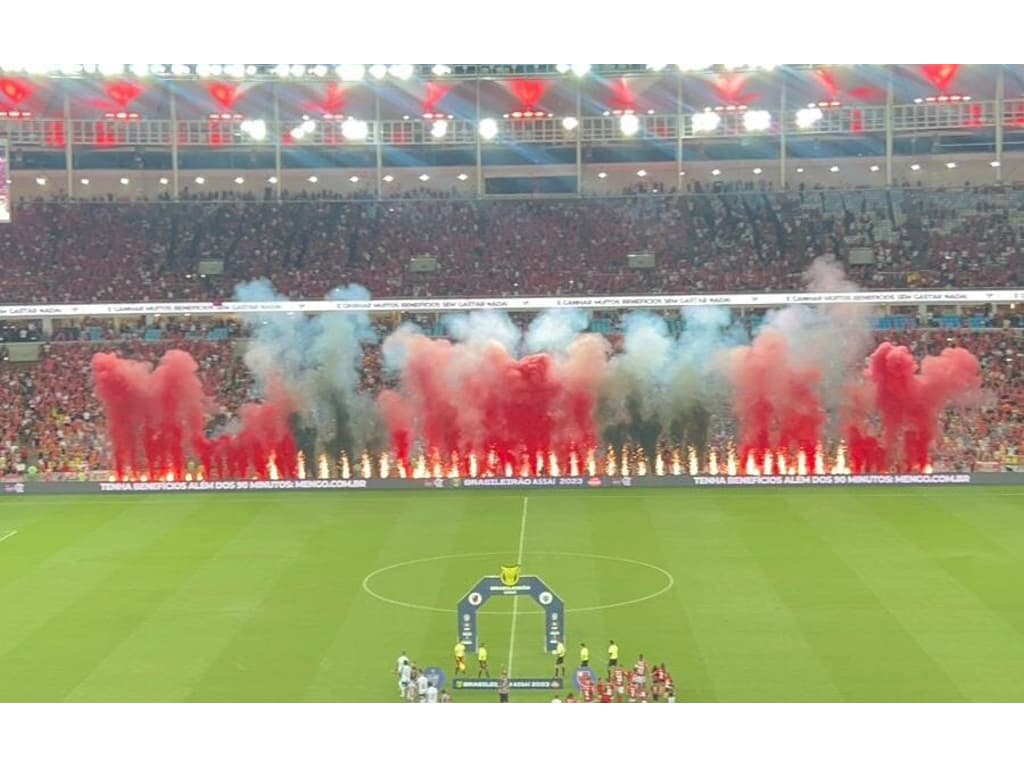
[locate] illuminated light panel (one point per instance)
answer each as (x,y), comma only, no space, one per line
(995,163)
(757,120)
(355,130)
(570,123)
(807,118)
(389,178)
(200,180)
(41,181)
(951,165)
(439,129)
(488,128)
(629,125)
(313,179)
(424,177)
(716,172)
(164,181)
(379,71)
(85,182)
(440,70)
(874,169)
(602,175)
(579,69)
(124,181)
(354,179)
(272,180)
(834,169)
(462,177)
(799,170)
(641,173)
(401,71)
(350,72)
(758,171)
(915,167)
(706,122)
(239,180)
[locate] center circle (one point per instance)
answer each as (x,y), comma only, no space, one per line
(668,581)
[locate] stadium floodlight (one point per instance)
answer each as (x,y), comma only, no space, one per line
(379,71)
(297,70)
(200,180)
(758,171)
(319,70)
(439,129)
(799,170)
(488,128)
(874,169)
(641,173)
(85,182)
(915,167)
(255,129)
(251,69)
(629,125)
(355,130)
(313,179)
(282,70)
(995,163)
(124,181)
(272,180)
(164,181)
(602,175)
(579,69)
(570,123)
(951,165)
(41,181)
(462,176)
(239,180)
(834,169)
(354,179)
(440,70)
(401,71)
(424,177)
(351,73)
(716,172)
(706,121)
(389,178)
(110,70)
(562,68)
(806,118)
(757,120)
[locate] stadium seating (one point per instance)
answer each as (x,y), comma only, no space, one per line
(725,241)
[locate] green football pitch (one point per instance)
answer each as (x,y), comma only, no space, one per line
(747,595)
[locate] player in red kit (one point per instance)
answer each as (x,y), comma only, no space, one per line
(657,682)
(586,689)
(604,692)
(640,677)
(619,681)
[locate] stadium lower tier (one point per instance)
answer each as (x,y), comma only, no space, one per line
(57,423)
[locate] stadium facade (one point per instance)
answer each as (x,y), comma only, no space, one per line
(487,130)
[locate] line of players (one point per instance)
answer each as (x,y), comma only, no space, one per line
(414,685)
(620,684)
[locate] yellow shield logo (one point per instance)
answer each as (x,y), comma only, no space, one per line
(510,575)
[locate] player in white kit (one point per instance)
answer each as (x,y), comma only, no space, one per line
(422,685)
(404,678)
(432,694)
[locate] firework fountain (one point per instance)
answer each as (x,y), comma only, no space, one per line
(794,396)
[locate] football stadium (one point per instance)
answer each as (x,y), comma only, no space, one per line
(511,383)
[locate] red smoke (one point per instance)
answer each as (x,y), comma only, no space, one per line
(907,404)
(156,419)
(467,398)
(777,403)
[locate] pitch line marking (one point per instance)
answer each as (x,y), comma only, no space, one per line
(515,600)
(7,535)
(669,581)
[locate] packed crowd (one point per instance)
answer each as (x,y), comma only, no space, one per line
(53,422)
(718,240)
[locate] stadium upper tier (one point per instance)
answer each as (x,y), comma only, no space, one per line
(729,239)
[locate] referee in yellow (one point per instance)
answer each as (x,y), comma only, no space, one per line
(584,655)
(481,656)
(560,659)
(613,656)
(460,657)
